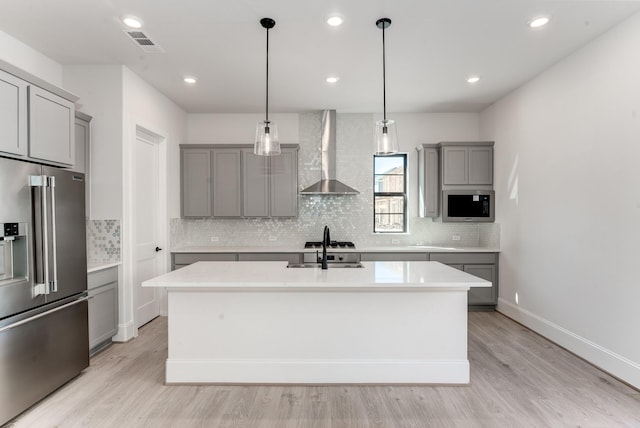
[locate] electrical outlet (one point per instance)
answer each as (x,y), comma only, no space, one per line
(273,238)
(214,239)
(455,237)
(395,241)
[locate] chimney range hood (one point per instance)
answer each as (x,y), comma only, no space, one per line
(328,185)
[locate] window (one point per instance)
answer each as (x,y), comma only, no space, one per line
(390,193)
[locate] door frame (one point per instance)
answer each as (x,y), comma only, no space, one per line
(127,328)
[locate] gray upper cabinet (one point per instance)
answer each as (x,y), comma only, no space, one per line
(428,185)
(51,127)
(37,119)
(13,114)
(195,166)
(467,163)
(481,165)
(455,165)
(255,171)
(270,184)
(283,186)
(83,155)
(227,183)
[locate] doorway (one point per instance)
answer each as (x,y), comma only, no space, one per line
(146,224)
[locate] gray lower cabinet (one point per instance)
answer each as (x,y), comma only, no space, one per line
(393,257)
(270,257)
(103,308)
(179,260)
(13,115)
(483,265)
(51,127)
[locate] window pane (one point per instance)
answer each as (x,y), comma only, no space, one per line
(389,204)
(389,223)
(389,183)
(388,165)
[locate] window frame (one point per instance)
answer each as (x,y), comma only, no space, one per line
(402,194)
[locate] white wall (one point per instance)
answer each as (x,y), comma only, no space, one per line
(25,57)
(147,108)
(100,90)
(119,101)
(568,200)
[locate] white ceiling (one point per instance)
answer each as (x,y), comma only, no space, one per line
(432,46)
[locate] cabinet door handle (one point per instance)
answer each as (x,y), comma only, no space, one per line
(158,249)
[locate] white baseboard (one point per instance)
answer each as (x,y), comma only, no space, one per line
(126,332)
(316,371)
(615,364)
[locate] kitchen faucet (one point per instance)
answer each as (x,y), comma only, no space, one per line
(326,240)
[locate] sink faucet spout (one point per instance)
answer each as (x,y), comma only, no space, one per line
(326,241)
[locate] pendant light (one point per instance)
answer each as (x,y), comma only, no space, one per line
(385,134)
(267,143)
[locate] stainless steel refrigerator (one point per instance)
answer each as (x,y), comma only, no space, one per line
(43,282)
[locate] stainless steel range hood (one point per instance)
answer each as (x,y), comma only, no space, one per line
(328,185)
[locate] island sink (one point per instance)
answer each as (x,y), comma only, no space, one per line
(329,265)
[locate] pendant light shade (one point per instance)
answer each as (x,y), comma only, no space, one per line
(386,136)
(267,142)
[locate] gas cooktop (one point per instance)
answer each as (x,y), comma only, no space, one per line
(333,244)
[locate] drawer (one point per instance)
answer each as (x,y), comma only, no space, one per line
(393,257)
(464,258)
(188,258)
(102,277)
(269,257)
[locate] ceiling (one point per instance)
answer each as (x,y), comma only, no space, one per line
(432,47)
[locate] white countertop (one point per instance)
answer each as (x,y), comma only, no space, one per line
(97,267)
(377,249)
(275,275)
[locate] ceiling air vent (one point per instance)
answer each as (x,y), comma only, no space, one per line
(144,42)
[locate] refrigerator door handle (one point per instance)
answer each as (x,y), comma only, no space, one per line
(43,314)
(42,182)
(54,260)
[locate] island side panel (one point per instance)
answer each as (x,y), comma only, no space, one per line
(317,336)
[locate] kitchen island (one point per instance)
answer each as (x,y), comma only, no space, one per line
(261,322)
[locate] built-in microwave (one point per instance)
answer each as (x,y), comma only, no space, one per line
(468,205)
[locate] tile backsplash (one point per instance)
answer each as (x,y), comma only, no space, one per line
(294,232)
(103,242)
(350,217)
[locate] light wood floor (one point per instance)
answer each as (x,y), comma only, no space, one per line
(518,379)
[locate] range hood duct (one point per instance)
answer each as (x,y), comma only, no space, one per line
(328,185)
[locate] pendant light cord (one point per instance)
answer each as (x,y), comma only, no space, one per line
(384,79)
(267,97)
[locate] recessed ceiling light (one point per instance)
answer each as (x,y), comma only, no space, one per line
(190,80)
(539,22)
(473,79)
(132,21)
(332,79)
(335,20)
